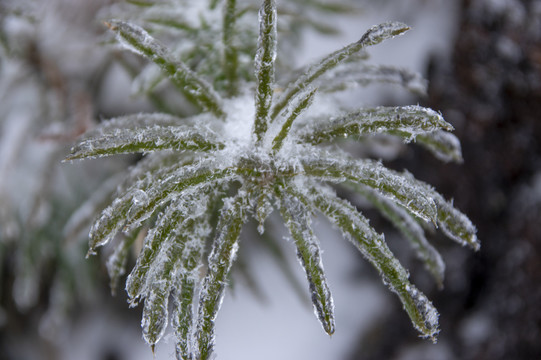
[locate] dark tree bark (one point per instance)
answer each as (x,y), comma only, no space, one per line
(491,92)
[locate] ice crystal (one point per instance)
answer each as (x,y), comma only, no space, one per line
(245,155)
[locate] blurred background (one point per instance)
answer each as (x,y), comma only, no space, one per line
(59,76)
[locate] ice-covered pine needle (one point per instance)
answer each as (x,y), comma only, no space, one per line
(246,154)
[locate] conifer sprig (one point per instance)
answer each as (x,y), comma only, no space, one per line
(234,158)
(373,36)
(264,67)
(191,84)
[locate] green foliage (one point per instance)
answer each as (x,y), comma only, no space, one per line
(217,40)
(44,278)
(253,149)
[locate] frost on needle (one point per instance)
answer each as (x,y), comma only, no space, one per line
(251,150)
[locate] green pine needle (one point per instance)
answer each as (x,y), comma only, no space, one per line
(251,150)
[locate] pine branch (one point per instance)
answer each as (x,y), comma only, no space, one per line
(264,67)
(175,261)
(188,277)
(455,224)
(348,76)
(224,249)
(406,122)
(373,36)
(372,245)
(303,104)
(145,139)
(410,228)
(230,61)
(196,88)
(443,145)
(402,189)
(183,315)
(164,231)
(182,190)
(142,200)
(296,216)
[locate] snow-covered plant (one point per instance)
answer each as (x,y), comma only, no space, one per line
(266,147)
(216,40)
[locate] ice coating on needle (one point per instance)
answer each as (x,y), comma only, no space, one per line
(255,147)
